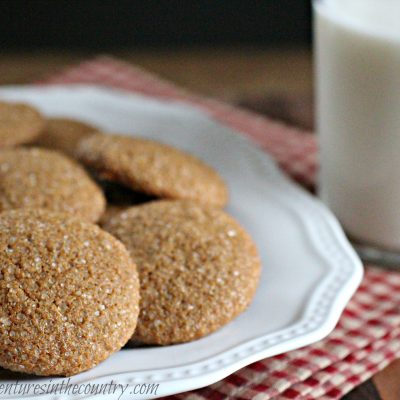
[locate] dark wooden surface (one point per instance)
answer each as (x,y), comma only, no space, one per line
(275,82)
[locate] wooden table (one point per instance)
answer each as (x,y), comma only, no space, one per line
(254,77)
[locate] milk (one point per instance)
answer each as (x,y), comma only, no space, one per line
(357,45)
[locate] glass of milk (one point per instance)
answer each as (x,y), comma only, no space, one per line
(357,57)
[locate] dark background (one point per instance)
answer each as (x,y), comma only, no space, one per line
(113,24)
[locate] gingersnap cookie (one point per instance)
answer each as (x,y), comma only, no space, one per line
(69,293)
(19,123)
(63,134)
(153,168)
(198,268)
(39,178)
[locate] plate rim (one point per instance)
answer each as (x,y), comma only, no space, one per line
(330,296)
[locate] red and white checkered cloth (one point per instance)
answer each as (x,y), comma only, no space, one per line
(367,337)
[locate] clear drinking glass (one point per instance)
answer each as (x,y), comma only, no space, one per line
(357,64)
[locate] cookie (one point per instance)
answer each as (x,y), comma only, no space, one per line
(153,168)
(69,293)
(63,134)
(198,268)
(19,123)
(39,178)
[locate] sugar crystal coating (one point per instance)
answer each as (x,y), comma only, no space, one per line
(153,168)
(39,178)
(69,293)
(198,268)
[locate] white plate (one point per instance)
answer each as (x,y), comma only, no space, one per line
(309,272)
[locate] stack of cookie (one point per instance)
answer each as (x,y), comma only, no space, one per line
(106,239)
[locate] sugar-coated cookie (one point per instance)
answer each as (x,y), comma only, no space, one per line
(153,168)
(69,293)
(198,268)
(40,178)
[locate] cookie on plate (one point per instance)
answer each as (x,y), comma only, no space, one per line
(39,178)
(198,268)
(69,293)
(63,134)
(153,168)
(19,123)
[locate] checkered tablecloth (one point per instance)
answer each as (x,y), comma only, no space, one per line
(367,337)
